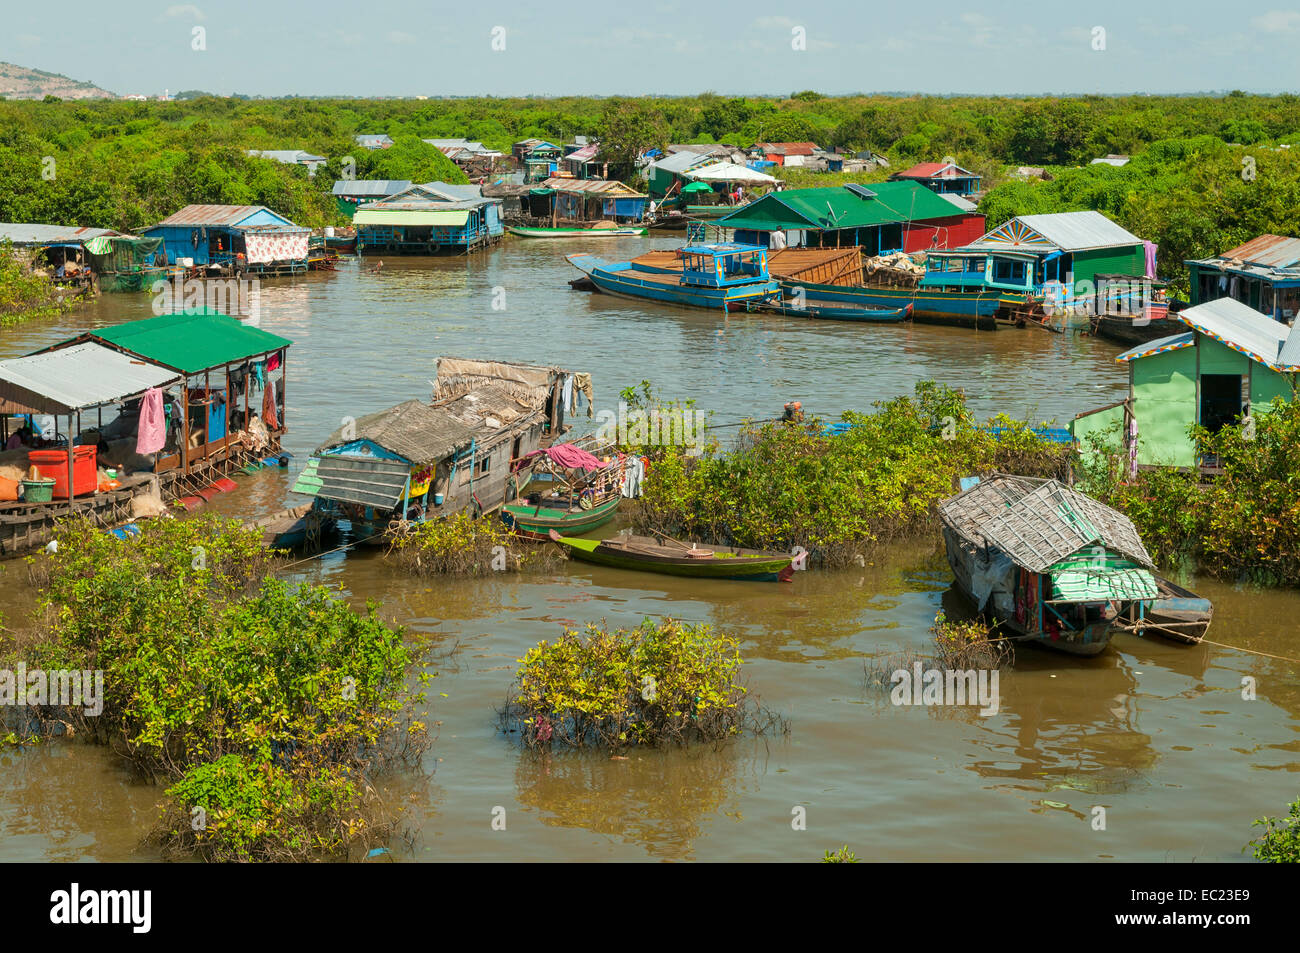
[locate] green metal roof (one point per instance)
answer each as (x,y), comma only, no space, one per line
(192,341)
(833,208)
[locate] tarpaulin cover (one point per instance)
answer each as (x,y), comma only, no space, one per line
(1090,579)
(275,246)
(567,455)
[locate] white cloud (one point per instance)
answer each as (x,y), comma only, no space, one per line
(185,10)
(1277,21)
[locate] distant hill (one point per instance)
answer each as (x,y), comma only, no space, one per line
(19,82)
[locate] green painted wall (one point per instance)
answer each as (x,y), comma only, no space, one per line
(1218,358)
(1164,402)
(1130,260)
(1266,384)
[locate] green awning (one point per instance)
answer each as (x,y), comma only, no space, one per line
(1100,579)
(541,191)
(191,342)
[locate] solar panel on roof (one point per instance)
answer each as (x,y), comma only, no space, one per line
(861,191)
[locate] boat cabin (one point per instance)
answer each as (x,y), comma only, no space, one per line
(723,265)
(976,271)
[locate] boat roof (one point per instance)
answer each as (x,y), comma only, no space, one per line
(413,430)
(1039,522)
(722,248)
(74,378)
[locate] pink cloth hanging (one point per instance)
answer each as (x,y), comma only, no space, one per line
(152,432)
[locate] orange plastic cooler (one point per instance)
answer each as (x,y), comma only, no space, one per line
(53,465)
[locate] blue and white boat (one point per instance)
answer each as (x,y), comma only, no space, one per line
(722,277)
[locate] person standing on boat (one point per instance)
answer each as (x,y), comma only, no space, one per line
(776,240)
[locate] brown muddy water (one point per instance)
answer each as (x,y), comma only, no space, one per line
(1157,734)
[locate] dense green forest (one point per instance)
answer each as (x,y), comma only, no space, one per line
(1208,172)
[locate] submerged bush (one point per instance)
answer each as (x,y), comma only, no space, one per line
(262,705)
(659,683)
(464,545)
(1280,843)
(970,645)
(787,485)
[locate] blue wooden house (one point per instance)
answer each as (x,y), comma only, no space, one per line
(429,219)
(233,239)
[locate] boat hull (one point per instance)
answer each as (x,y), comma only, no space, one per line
(535,523)
(753,569)
(626,282)
(1085,642)
(963,309)
(525,232)
(835,311)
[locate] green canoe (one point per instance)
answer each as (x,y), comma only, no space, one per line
(623,232)
(675,559)
(536,522)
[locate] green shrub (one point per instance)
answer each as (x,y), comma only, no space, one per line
(465,545)
(658,683)
(1280,843)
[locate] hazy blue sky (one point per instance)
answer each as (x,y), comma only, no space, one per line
(395,47)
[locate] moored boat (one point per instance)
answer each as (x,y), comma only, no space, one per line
(575,491)
(677,559)
(718,277)
(623,231)
(1175,613)
(1046,562)
(835,311)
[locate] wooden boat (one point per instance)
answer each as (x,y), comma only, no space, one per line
(293,528)
(1176,613)
(677,559)
(621,232)
(718,277)
(836,311)
(536,521)
(1133,329)
(965,308)
(1045,562)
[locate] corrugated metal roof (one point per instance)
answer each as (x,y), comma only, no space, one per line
(585,154)
(681,161)
(1242,328)
(74,378)
(1069,231)
(600,186)
(932,170)
(455,193)
(787,148)
(1271,251)
(28,234)
(966,205)
(379,187)
(191,341)
(1171,343)
(287,156)
(838,208)
(226,215)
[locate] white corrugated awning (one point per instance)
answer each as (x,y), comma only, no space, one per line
(381,216)
(74,378)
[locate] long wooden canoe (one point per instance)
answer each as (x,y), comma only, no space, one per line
(621,232)
(645,554)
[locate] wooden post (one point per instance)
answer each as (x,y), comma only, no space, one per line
(284,376)
(71,448)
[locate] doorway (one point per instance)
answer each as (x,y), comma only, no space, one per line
(1221,403)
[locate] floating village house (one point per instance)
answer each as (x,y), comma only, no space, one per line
(291,157)
(586,200)
(584,162)
(231,372)
(1263,273)
(349,193)
(373,140)
(418,461)
(473,158)
(66,396)
(430,219)
(783,153)
(946,178)
(538,158)
(233,239)
(1066,248)
(1232,361)
(118,262)
(676,173)
(883,218)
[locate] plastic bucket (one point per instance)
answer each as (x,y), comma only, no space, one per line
(38,491)
(437,499)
